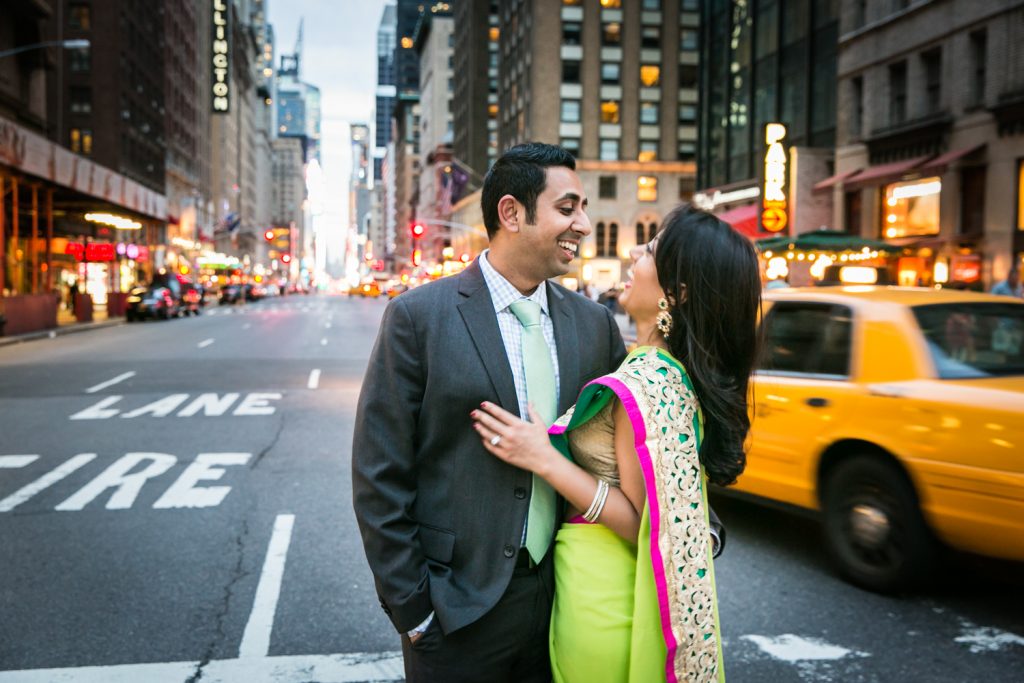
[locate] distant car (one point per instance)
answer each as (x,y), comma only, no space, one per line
(152,301)
(395,290)
(253,291)
(230,294)
(191,298)
(899,414)
(366,289)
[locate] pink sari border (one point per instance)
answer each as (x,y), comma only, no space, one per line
(640,441)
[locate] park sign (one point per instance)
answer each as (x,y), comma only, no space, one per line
(774,204)
(220,48)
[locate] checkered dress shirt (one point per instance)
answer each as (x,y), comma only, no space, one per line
(503,295)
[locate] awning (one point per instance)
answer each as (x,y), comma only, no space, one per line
(743,219)
(828,183)
(939,163)
(824,239)
(886,173)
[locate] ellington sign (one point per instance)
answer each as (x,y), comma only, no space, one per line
(221,73)
(774,206)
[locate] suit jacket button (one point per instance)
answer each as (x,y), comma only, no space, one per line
(510,551)
(520,492)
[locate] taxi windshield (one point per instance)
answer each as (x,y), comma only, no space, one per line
(971,340)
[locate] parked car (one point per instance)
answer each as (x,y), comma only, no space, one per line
(396,289)
(152,301)
(191,298)
(899,414)
(230,294)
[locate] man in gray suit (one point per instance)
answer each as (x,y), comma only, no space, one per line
(443,522)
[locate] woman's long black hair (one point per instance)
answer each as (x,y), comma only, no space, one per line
(714,326)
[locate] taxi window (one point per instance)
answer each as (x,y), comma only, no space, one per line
(807,338)
(974,339)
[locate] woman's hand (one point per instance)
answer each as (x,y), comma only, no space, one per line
(517,442)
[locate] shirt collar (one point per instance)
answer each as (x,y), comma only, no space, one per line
(504,293)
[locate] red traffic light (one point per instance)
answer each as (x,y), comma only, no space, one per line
(286,258)
(269,235)
(418,230)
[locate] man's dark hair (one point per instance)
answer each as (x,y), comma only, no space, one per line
(520,172)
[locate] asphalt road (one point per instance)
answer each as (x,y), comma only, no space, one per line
(175,506)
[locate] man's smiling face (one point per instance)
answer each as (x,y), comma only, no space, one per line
(549,245)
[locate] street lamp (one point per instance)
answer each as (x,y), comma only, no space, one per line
(71,44)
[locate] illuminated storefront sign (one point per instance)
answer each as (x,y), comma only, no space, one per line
(774,206)
(221,75)
(911,208)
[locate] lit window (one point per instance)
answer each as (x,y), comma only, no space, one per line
(86,142)
(611,33)
(492,111)
(610,111)
(494,33)
(650,75)
(647,188)
(611,3)
(911,208)
(79,17)
(76,140)
(648,151)
(572,2)
(609,150)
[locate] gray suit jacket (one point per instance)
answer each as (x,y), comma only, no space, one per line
(441,518)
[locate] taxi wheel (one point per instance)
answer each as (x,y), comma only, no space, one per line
(874,529)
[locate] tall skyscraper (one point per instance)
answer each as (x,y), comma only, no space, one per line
(385,95)
(475,105)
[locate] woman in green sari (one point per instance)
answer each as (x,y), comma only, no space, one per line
(634,580)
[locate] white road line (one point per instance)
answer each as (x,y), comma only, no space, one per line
(346,668)
(323,342)
(246,326)
(13,462)
(256,637)
(110,382)
(47,480)
(203,344)
(314,379)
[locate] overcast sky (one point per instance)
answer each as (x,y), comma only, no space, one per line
(339,56)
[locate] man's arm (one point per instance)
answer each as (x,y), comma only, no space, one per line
(383,469)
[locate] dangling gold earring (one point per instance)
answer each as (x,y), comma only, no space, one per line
(664,319)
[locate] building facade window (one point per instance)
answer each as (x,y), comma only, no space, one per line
(650,37)
(687,150)
(687,76)
(607,187)
(611,34)
(571,145)
(897,93)
(688,39)
(649,113)
(932,62)
(972,209)
(687,114)
(687,186)
(81,141)
(79,59)
(81,101)
(611,73)
(611,4)
(979,50)
(650,75)
(572,33)
(647,188)
(648,150)
(857,108)
(610,111)
(79,17)
(911,208)
(652,5)
(608,150)
(570,111)
(570,71)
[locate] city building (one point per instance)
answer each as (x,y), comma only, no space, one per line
(288,192)
(475,113)
(930,141)
(766,65)
(624,74)
(359,251)
(385,93)
(82,207)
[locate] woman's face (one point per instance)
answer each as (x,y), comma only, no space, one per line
(640,297)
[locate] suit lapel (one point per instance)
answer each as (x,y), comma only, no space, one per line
(477,310)
(568,349)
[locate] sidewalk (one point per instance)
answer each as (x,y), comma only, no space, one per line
(66,324)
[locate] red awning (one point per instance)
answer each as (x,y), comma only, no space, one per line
(743,219)
(939,164)
(828,183)
(886,173)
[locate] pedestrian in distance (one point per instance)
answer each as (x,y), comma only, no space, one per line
(459,541)
(1011,286)
(635,593)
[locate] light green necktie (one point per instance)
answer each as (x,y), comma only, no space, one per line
(541,392)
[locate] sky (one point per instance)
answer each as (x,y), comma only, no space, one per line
(339,56)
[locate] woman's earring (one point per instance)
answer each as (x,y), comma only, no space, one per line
(664,319)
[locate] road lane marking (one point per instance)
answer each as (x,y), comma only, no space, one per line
(323,342)
(314,379)
(184,493)
(203,344)
(256,637)
(110,382)
(246,326)
(44,482)
(340,668)
(126,486)
(13,462)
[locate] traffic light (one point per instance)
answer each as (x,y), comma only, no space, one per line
(269,235)
(418,230)
(417,257)
(286,258)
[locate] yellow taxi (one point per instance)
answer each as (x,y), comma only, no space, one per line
(899,414)
(365,289)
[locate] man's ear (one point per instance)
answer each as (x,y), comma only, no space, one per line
(509,213)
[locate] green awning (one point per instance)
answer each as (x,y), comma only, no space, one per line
(825,240)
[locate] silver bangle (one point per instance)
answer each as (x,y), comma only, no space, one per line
(597,505)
